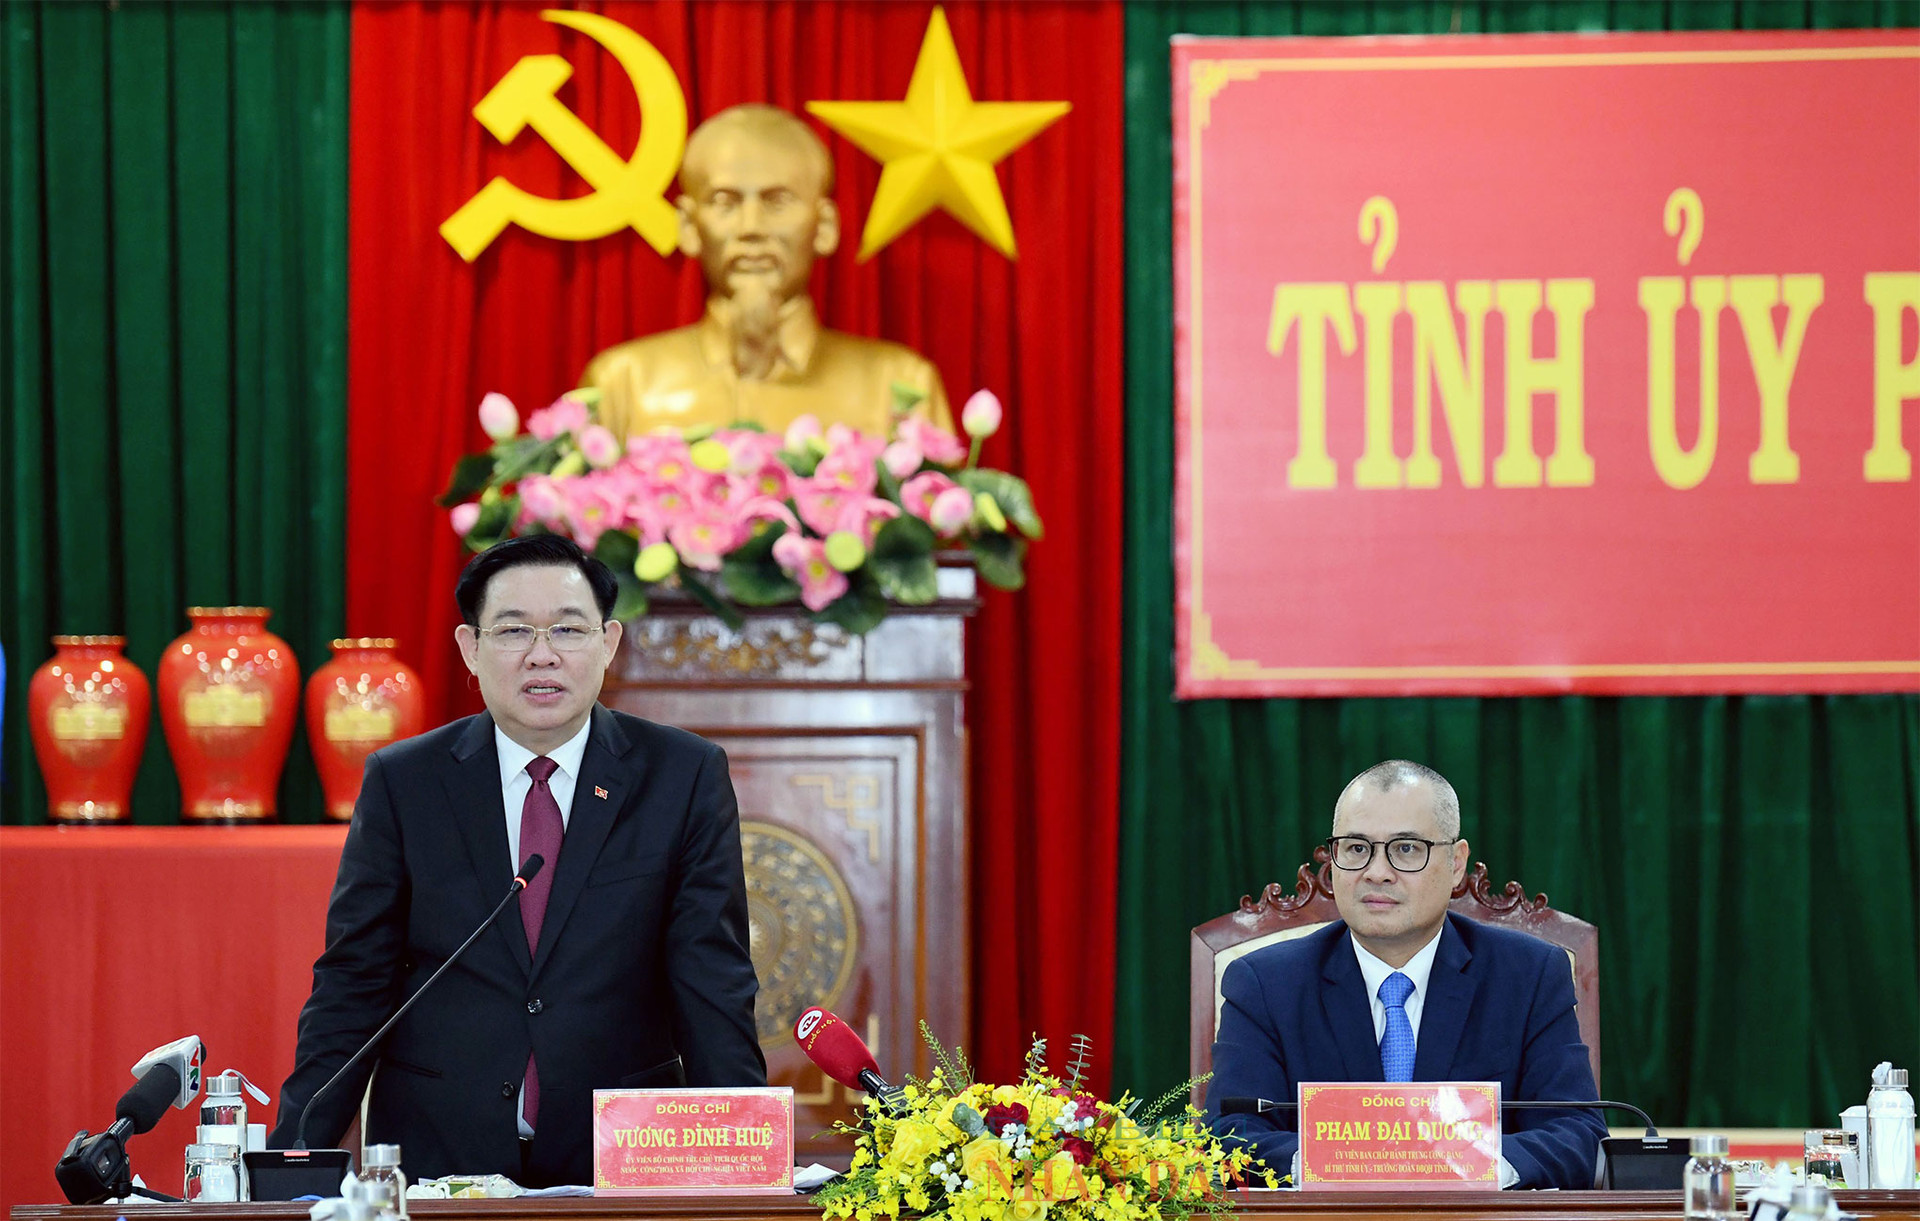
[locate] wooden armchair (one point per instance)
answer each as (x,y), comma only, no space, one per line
(1279,916)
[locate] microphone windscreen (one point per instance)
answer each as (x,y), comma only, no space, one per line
(531,869)
(833,1046)
(148,1100)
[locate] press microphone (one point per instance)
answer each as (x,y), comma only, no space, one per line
(841,1054)
(528,871)
(185,1057)
(94,1168)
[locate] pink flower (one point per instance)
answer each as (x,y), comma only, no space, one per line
(952,509)
(601,447)
(919,493)
(862,517)
(935,442)
(590,512)
(656,508)
(540,500)
(801,431)
(499,418)
(564,415)
(849,465)
(703,536)
(773,479)
(902,459)
(748,449)
(660,457)
(981,416)
(464,516)
(805,560)
(763,508)
(820,507)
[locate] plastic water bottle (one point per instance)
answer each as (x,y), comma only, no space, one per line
(386,1186)
(1708,1180)
(1889,1151)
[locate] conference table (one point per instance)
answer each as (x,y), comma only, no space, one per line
(1262,1205)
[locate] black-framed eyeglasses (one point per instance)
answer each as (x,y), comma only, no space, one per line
(1405,853)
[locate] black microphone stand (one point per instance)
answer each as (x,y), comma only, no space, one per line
(528,872)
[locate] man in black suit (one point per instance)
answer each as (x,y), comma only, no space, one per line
(624,964)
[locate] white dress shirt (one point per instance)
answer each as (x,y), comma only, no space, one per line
(515,784)
(1419,969)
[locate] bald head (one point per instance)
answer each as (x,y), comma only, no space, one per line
(1401,773)
(760,127)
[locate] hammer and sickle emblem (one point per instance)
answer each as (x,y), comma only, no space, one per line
(629,192)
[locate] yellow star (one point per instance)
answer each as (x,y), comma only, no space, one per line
(938,147)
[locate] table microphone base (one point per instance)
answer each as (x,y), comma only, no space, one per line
(1642,1163)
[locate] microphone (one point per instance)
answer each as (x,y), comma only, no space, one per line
(94,1168)
(184,1057)
(528,871)
(842,1055)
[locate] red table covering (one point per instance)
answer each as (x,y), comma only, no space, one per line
(114,940)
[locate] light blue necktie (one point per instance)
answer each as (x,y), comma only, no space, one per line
(1396,1045)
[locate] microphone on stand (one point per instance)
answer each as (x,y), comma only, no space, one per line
(527,873)
(843,1055)
(95,1168)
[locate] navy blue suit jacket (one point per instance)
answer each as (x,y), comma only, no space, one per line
(1499,1007)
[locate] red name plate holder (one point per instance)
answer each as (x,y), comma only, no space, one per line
(1434,1135)
(736,1142)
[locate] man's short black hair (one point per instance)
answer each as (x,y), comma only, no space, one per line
(530,550)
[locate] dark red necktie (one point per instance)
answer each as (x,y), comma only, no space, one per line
(540,831)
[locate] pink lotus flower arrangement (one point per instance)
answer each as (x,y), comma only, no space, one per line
(841,521)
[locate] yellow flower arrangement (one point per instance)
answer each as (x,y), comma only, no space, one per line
(1041,1150)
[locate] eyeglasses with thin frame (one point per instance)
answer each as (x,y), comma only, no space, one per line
(1406,853)
(520,637)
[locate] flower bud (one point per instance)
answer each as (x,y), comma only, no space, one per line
(711,455)
(901,459)
(600,447)
(951,510)
(464,517)
(981,416)
(499,418)
(845,551)
(656,562)
(573,464)
(987,510)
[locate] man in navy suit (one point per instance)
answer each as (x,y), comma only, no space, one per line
(1398,989)
(623,964)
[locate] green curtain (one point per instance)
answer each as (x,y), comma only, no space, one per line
(172,340)
(1752,863)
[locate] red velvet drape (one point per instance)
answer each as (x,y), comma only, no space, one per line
(430,334)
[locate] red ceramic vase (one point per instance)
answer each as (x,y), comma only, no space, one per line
(88,709)
(229,694)
(358,702)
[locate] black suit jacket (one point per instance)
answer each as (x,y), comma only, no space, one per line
(642,976)
(1499,1007)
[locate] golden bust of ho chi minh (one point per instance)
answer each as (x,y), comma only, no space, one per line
(755,209)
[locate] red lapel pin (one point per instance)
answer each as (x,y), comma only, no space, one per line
(599,792)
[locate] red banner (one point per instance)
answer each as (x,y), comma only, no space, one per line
(1541,364)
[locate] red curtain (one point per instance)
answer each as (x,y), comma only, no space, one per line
(430,334)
